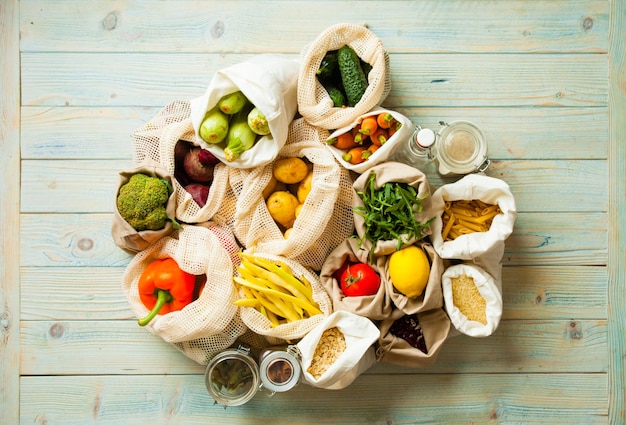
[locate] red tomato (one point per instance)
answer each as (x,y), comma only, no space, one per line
(358,280)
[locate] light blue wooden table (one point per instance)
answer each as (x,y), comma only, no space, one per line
(544,79)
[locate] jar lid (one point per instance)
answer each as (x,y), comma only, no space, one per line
(461,148)
(280,370)
(232,377)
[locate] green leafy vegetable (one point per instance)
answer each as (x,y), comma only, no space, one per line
(389,213)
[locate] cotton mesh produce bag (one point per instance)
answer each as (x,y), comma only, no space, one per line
(198,251)
(314,103)
(261,325)
(374,307)
(124,235)
(326,216)
(157,141)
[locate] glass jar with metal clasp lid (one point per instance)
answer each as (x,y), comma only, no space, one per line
(233,377)
(461,148)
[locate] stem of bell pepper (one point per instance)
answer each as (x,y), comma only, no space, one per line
(163,297)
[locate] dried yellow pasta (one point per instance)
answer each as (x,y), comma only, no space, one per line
(463,217)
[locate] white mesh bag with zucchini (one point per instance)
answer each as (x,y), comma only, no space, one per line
(299,205)
(244,115)
(344,73)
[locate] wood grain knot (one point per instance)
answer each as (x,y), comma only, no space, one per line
(85,244)
(218,29)
(574,331)
(110,21)
(587,24)
(56,330)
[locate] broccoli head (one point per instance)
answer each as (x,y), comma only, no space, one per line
(142,200)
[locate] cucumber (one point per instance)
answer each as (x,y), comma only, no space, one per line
(337,96)
(329,67)
(352,76)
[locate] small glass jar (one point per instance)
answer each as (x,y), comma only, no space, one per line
(280,369)
(232,377)
(461,148)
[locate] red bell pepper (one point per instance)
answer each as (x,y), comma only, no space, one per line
(164,287)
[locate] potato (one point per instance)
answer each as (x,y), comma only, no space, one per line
(282,208)
(304,187)
(290,170)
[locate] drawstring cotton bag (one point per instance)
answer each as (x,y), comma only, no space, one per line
(314,103)
(488,299)
(160,140)
(359,334)
(270,82)
(124,235)
(374,307)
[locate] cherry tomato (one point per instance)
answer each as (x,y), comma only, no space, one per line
(358,280)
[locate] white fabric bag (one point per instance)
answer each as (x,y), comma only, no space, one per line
(360,334)
(488,290)
(270,82)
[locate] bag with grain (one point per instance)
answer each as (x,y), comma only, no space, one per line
(338,350)
(124,234)
(432,297)
(482,227)
(279,317)
(374,307)
(269,81)
(366,223)
(314,103)
(167,138)
(324,199)
(413,340)
(472,299)
(197,250)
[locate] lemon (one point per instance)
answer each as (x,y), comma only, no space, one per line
(409,270)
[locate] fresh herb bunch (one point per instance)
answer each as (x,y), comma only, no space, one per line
(389,213)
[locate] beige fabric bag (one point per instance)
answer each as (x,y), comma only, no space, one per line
(393,172)
(314,103)
(197,250)
(261,325)
(432,297)
(124,235)
(435,326)
(374,307)
(326,217)
(157,141)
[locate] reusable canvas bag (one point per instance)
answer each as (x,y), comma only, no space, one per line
(374,307)
(483,248)
(124,235)
(270,82)
(157,141)
(432,297)
(488,290)
(392,172)
(197,250)
(326,216)
(435,326)
(359,333)
(314,103)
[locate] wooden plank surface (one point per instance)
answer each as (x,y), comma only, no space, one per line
(9,213)
(544,80)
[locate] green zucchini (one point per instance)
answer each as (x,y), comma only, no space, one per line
(352,76)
